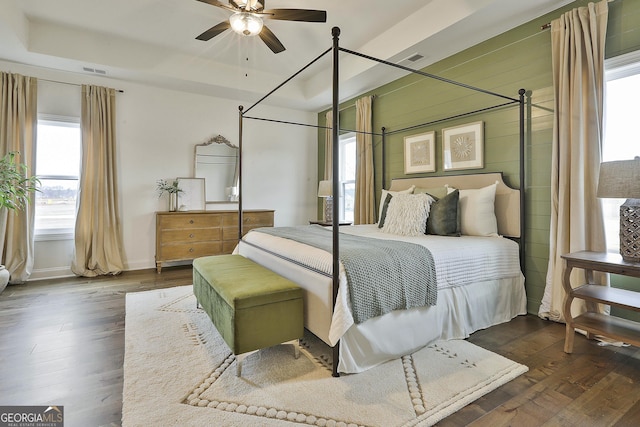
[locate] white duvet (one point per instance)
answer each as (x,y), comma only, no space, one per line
(459,261)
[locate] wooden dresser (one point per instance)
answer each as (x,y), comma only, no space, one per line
(183,236)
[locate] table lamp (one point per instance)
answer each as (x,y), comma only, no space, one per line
(325,191)
(621,179)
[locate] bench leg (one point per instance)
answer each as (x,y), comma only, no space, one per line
(296,347)
(239,359)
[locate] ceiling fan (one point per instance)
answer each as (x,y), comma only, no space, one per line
(247,20)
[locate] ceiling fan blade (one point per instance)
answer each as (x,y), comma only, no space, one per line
(306,15)
(271,40)
(219,4)
(214,31)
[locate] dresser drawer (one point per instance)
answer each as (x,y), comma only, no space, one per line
(189,221)
(251,218)
(186,235)
(185,251)
(231,233)
(257,219)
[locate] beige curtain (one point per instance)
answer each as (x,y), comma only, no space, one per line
(18,122)
(328,147)
(97,235)
(578,39)
(364,209)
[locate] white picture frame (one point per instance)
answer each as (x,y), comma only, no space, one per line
(192,196)
(463,146)
(420,153)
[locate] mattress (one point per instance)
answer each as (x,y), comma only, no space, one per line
(479,284)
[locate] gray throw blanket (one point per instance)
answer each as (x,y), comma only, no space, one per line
(382,275)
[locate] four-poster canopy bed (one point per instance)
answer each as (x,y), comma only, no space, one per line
(478,278)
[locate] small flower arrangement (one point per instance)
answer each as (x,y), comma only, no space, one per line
(163,186)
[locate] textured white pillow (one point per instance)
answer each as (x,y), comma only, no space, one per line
(383,196)
(407,214)
(477,211)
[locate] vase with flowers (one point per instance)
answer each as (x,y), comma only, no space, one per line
(170,188)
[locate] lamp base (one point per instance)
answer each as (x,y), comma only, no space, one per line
(328,209)
(630,230)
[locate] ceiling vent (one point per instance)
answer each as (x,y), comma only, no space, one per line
(94,70)
(414,58)
(411,60)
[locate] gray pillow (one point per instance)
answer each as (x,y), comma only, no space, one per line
(385,206)
(444,216)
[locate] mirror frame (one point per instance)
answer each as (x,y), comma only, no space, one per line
(218,139)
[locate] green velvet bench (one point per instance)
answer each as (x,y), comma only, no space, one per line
(250,306)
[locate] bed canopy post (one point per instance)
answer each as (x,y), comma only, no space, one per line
(521,92)
(240,192)
(335,142)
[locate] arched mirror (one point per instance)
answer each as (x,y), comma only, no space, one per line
(217,162)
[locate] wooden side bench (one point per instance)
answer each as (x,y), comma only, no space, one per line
(250,306)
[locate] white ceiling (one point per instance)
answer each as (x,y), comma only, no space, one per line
(153,41)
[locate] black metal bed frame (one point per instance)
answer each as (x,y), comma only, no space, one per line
(335,128)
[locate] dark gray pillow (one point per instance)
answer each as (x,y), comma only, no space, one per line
(444,216)
(385,206)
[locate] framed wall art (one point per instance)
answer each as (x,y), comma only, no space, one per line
(463,146)
(192,196)
(420,153)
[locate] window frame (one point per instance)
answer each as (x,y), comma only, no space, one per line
(345,139)
(617,67)
(56,233)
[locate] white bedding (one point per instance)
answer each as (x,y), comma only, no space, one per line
(479,284)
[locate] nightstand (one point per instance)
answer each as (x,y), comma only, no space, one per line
(592,321)
(327,224)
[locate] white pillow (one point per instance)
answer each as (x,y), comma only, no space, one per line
(477,211)
(383,196)
(407,214)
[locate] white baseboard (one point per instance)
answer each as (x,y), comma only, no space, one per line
(61,272)
(51,273)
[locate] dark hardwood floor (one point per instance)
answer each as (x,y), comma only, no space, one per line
(62,343)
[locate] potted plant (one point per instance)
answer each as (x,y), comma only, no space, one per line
(15,188)
(163,186)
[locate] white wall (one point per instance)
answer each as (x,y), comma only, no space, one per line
(156,133)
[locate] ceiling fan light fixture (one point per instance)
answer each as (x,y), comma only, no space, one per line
(245,23)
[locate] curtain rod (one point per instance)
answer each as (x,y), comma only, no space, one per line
(548,24)
(72,84)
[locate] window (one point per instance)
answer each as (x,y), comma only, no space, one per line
(58,168)
(622,86)
(347,176)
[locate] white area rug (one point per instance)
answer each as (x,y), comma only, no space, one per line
(178,371)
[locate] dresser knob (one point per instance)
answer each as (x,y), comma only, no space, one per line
(190,249)
(191,235)
(190,221)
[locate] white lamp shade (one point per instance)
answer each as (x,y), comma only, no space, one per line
(620,179)
(325,189)
(246,23)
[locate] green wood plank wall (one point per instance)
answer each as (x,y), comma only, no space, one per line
(520,58)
